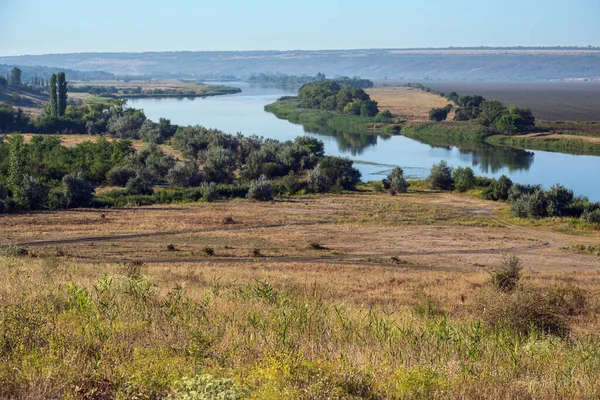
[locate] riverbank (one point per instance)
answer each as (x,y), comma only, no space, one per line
(576,138)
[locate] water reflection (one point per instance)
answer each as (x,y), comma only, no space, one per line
(483,157)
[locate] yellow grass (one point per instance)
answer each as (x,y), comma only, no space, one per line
(409,103)
(385,307)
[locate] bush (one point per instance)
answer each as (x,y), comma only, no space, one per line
(438,114)
(77,192)
(499,189)
(317,182)
(261,189)
(464,179)
(558,199)
(32,195)
(142,183)
(119,176)
(523,311)
(207,387)
(291,183)
(517,190)
(185,175)
(339,172)
(440,177)
(506,278)
(209,191)
(591,216)
(396,181)
(531,205)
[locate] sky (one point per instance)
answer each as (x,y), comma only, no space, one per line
(67,26)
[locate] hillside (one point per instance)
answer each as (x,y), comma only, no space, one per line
(26,98)
(510,64)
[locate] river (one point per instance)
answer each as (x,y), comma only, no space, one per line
(375,155)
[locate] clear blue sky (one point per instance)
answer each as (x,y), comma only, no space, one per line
(64,26)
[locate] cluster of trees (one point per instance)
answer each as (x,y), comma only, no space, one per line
(494,115)
(331,96)
(44,174)
(526,200)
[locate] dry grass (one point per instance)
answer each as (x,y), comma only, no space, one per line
(409,103)
(387,310)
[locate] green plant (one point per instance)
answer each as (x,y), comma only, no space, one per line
(208,251)
(261,189)
(440,177)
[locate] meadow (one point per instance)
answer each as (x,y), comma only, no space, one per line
(332,296)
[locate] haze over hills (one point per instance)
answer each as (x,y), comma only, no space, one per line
(453,64)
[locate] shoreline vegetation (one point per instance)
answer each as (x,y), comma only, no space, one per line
(579,138)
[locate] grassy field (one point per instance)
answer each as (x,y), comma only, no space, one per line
(338,296)
(407,103)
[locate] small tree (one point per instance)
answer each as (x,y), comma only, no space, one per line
(32,195)
(77,192)
(15,77)
(438,114)
(369,108)
(396,181)
(141,183)
(120,175)
(61,82)
(261,189)
(464,179)
(186,174)
(317,182)
(52,109)
(440,177)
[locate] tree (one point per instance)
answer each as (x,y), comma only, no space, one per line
(261,189)
(438,114)
(62,93)
(491,111)
(53,105)
(396,181)
(15,77)
(440,177)
(369,108)
(3,81)
(77,192)
(464,179)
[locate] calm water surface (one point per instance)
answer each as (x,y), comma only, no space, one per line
(376,154)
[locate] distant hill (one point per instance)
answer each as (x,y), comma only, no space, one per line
(29,71)
(453,64)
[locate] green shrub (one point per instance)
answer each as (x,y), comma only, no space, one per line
(261,189)
(142,183)
(291,183)
(440,177)
(396,182)
(464,179)
(317,182)
(186,174)
(517,190)
(77,192)
(438,114)
(208,387)
(499,189)
(340,172)
(31,195)
(209,191)
(558,199)
(120,175)
(591,216)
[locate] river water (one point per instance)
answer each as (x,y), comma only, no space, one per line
(375,155)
